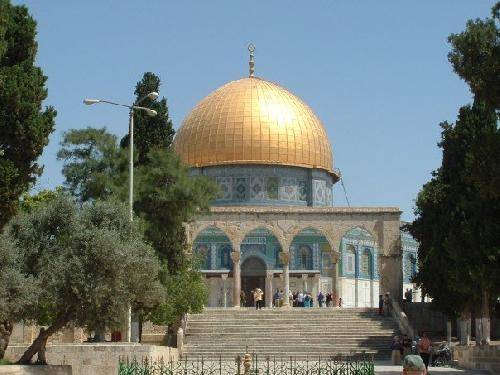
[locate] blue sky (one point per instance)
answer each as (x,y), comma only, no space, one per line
(375,72)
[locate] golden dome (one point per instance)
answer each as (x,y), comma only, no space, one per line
(253,121)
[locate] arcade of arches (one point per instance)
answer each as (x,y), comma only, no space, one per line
(351,263)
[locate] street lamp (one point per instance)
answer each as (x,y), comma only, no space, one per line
(151,112)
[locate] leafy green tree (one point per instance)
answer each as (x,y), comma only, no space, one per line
(90,263)
(166,198)
(24,126)
(150,132)
(185,294)
(456,222)
(30,202)
(92,163)
(475,57)
(16,291)
(457,211)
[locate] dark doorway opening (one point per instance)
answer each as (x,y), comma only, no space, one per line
(253,275)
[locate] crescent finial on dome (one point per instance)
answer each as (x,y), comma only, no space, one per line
(251,62)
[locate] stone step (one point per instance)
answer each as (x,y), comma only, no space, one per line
(294,332)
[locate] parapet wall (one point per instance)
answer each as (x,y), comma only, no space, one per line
(96,358)
(478,357)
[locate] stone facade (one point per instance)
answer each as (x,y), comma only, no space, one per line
(355,252)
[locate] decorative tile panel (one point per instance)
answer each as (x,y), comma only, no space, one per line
(226,187)
(240,188)
(288,189)
(272,187)
(302,190)
(319,191)
(329,196)
(257,188)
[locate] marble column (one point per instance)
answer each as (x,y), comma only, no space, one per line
(235,256)
(268,294)
(316,288)
(304,281)
(224,289)
(285,259)
(335,278)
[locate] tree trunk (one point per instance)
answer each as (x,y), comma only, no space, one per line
(42,359)
(141,322)
(464,328)
(6,328)
(448,332)
(41,341)
(483,321)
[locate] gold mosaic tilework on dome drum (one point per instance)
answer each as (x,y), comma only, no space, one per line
(253,121)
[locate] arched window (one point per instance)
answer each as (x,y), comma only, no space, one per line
(305,257)
(225,257)
(413,265)
(203,253)
(366,263)
(350,266)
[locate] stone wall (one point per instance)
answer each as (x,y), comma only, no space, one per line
(35,370)
(422,318)
(478,357)
(97,358)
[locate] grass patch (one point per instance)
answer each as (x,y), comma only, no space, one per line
(5,362)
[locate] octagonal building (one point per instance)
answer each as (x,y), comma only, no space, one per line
(274,225)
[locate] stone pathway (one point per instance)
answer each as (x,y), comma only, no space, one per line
(385,369)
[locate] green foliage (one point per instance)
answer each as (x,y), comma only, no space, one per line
(92,162)
(186,293)
(17,290)
(29,202)
(457,212)
(456,215)
(89,263)
(150,132)
(166,198)
(476,57)
(24,126)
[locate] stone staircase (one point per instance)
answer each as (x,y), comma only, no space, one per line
(298,332)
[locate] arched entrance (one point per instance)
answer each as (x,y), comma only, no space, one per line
(253,275)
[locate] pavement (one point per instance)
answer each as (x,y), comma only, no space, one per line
(388,369)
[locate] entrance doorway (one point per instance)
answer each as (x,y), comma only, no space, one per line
(253,275)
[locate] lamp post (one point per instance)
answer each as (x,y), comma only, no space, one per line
(151,112)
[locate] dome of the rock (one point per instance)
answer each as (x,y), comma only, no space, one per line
(253,121)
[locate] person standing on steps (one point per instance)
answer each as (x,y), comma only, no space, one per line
(321,299)
(257,297)
(381,304)
(243,299)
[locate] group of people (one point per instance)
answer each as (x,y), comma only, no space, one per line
(403,347)
(295,299)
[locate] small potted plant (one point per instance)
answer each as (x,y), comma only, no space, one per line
(413,365)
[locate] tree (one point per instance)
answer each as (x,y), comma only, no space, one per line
(166,198)
(185,294)
(30,202)
(92,162)
(150,132)
(456,219)
(475,57)
(24,126)
(457,211)
(16,291)
(90,263)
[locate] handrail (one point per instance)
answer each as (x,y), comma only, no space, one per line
(401,318)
